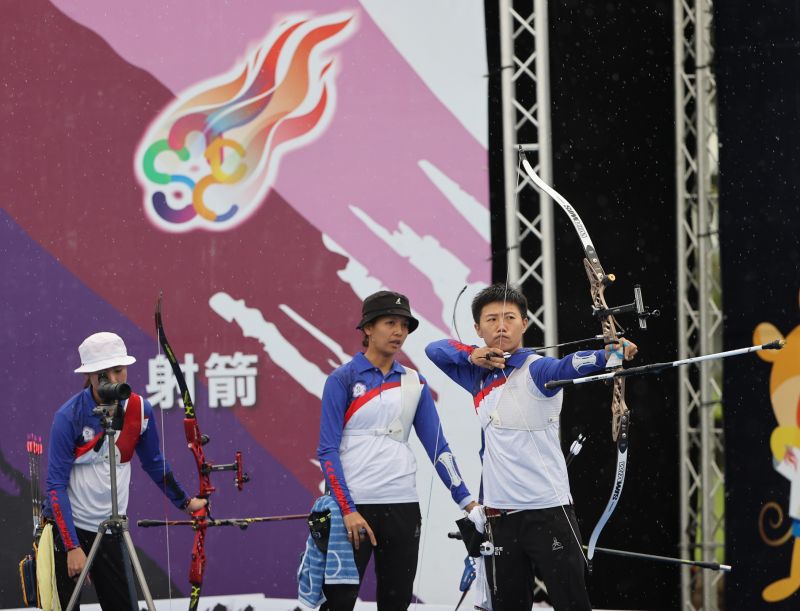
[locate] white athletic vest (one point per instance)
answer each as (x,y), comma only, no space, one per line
(400,428)
(520,406)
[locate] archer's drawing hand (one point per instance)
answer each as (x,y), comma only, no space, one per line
(488,358)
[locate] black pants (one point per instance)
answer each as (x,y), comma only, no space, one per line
(396,527)
(107,573)
(542,540)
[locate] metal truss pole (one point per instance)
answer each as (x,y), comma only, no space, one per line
(525,58)
(699,301)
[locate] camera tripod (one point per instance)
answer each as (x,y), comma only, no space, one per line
(117,524)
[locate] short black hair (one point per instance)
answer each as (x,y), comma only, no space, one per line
(499,292)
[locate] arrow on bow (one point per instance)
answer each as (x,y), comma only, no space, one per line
(598,281)
(202,517)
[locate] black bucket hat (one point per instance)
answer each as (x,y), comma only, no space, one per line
(386,303)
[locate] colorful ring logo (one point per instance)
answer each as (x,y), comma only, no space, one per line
(209,159)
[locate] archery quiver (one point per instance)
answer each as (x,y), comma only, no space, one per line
(27,579)
(27,566)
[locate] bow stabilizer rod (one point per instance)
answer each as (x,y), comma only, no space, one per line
(656,368)
(242,523)
(711,566)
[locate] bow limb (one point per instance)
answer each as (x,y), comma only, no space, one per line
(619,481)
(198,565)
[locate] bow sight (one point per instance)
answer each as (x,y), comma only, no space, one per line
(641,310)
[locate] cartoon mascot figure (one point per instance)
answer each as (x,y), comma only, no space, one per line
(784,390)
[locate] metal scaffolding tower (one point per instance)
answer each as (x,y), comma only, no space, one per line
(525,61)
(699,302)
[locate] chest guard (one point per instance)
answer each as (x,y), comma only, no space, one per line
(520,406)
(126,439)
(400,428)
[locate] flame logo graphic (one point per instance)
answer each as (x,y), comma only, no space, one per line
(209,158)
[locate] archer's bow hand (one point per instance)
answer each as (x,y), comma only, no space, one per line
(623,349)
(195,504)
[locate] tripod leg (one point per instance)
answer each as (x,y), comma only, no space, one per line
(126,562)
(137,567)
(73,601)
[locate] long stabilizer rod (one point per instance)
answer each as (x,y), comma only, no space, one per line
(712,566)
(659,367)
(242,523)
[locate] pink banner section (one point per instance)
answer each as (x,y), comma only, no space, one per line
(265,166)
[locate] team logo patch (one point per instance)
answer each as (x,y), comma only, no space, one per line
(359,388)
(583,360)
(88,433)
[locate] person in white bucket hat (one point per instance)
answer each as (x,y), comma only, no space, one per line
(78,496)
(103,351)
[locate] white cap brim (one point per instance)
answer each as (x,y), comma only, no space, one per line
(117,361)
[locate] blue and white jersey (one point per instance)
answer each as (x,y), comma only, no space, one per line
(523,464)
(78,471)
(361,461)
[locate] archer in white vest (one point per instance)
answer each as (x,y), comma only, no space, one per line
(369,406)
(527,505)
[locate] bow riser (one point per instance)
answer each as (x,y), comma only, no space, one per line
(598,281)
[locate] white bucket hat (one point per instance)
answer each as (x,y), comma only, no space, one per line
(103,351)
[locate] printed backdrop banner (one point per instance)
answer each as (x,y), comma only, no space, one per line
(760,185)
(265,165)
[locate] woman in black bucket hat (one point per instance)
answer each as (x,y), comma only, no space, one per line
(369,406)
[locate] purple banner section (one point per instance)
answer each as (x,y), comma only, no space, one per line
(59,312)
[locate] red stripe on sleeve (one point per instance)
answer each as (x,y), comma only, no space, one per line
(336,488)
(461,347)
(62,525)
